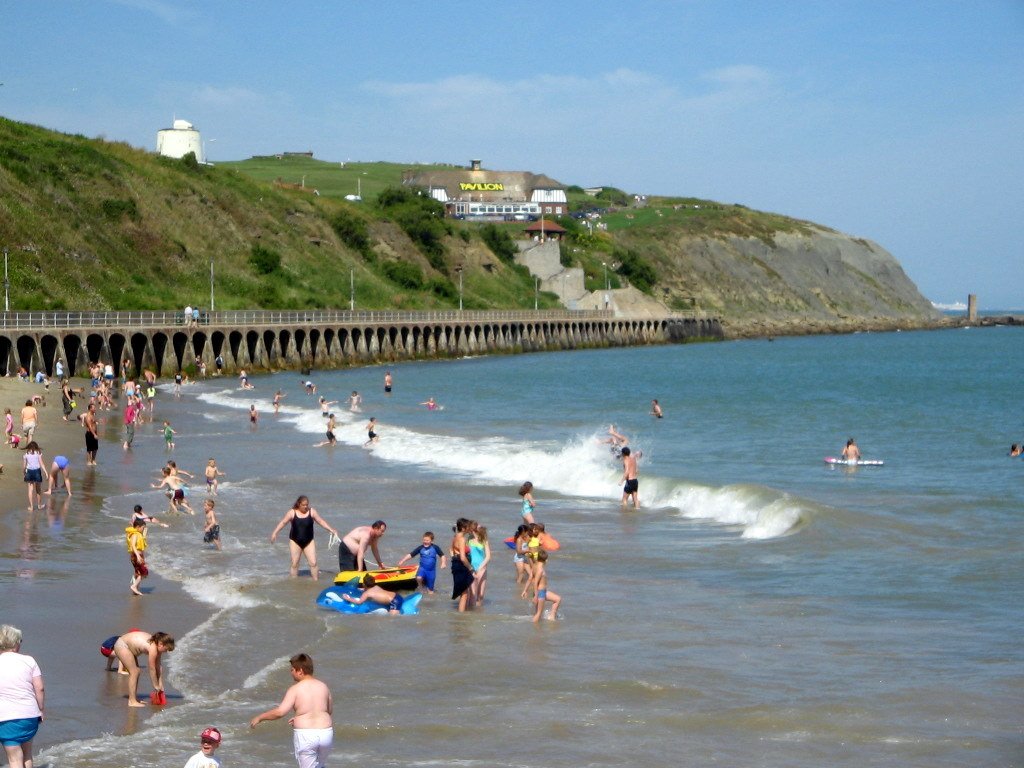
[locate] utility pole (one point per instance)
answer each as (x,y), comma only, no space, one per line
(536,292)
(459,270)
(352,290)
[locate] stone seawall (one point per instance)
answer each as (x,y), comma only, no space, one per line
(301,340)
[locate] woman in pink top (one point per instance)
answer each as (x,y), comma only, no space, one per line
(21,698)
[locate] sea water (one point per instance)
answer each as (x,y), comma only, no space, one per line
(761,608)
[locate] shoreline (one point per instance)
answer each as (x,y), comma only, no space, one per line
(65,584)
(767,327)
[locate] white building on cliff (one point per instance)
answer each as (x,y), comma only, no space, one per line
(180,140)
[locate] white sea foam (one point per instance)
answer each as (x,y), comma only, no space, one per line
(579,467)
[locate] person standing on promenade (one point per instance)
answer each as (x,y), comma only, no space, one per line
(92,435)
(301,517)
(22,698)
(631,484)
(129,647)
(352,549)
(309,700)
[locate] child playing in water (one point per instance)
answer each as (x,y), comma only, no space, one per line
(212,473)
(428,553)
(175,491)
(540,578)
(211,532)
(169,436)
(526,491)
(519,559)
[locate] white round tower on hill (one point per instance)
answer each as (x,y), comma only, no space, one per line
(180,140)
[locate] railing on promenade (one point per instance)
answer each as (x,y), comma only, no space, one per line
(243,318)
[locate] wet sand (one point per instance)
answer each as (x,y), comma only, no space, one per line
(65,573)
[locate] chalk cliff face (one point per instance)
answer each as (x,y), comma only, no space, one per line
(815,280)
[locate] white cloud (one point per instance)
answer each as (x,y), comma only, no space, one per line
(739,76)
(168,12)
(227,98)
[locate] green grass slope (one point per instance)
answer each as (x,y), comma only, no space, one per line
(96,225)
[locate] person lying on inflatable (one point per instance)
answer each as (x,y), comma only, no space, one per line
(370,591)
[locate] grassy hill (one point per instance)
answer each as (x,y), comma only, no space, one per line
(91,224)
(97,225)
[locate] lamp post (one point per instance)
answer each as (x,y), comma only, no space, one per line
(211,285)
(536,292)
(7,286)
(605,267)
(459,270)
(352,290)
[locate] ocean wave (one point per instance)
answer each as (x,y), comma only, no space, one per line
(579,467)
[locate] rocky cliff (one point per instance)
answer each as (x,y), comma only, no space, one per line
(811,280)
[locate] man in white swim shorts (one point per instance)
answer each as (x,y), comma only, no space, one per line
(310,701)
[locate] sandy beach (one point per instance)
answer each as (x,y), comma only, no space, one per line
(66,590)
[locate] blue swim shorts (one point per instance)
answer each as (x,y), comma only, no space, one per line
(15,732)
(429,576)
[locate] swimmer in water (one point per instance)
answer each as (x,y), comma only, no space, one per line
(431,405)
(371,432)
(851,452)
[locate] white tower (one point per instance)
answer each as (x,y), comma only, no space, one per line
(180,140)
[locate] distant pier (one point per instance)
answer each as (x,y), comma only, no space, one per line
(266,340)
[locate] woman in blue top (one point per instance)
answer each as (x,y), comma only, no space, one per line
(526,491)
(479,557)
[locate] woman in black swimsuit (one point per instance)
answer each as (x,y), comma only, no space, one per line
(300,537)
(462,573)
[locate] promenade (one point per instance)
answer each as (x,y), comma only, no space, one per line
(167,341)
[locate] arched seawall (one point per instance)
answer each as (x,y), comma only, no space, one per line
(324,342)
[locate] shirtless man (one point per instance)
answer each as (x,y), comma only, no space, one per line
(851,452)
(631,484)
(29,417)
(387,382)
(92,435)
(376,594)
(129,647)
(352,549)
(656,409)
(310,702)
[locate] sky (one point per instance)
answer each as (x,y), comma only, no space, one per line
(900,122)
